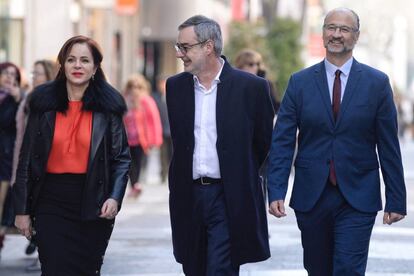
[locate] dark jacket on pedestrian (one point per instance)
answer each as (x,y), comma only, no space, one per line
(244,124)
(109,158)
(8,109)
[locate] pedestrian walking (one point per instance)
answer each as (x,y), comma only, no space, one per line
(73,164)
(221,123)
(143,126)
(10,96)
(166,147)
(345,114)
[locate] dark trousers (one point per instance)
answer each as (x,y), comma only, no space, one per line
(335,236)
(211,249)
(165,156)
(136,160)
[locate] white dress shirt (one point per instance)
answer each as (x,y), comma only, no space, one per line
(330,74)
(205,157)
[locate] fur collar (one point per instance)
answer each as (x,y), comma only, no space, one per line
(102,97)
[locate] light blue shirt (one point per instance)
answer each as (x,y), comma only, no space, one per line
(330,75)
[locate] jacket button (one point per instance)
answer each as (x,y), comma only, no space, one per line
(37,178)
(39,133)
(100,181)
(36,156)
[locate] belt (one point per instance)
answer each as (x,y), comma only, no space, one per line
(206,180)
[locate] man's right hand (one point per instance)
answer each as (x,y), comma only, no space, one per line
(277,208)
(24,224)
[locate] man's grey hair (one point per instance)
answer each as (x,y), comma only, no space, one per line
(354,14)
(205,29)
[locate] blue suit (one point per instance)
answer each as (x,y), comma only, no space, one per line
(367,122)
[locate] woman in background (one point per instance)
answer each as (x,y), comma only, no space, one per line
(10,96)
(251,61)
(73,164)
(143,125)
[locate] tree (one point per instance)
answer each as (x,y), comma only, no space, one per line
(283,40)
(279,45)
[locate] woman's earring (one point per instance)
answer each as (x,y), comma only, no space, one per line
(93,77)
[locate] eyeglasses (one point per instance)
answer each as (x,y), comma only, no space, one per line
(183,48)
(343,29)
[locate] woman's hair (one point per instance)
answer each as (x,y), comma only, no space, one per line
(137,79)
(49,67)
(99,96)
(5,65)
(93,47)
(246,56)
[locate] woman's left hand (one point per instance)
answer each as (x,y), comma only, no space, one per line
(109,209)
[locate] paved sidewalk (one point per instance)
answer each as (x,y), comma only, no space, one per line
(141,244)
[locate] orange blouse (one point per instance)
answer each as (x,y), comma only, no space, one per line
(71,140)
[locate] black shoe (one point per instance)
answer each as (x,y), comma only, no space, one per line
(30,249)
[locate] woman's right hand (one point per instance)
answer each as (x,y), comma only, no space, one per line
(24,224)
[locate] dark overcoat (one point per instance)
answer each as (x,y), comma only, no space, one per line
(109,159)
(244,124)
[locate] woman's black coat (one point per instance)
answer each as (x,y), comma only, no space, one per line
(109,159)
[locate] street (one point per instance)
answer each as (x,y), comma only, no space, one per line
(141,244)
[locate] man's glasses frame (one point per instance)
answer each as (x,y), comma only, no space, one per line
(183,48)
(342,28)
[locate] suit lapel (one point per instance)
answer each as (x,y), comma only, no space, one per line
(223,99)
(189,106)
(353,79)
(322,84)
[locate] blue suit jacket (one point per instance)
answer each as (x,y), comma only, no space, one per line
(366,125)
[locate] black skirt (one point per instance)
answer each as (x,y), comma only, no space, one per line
(68,245)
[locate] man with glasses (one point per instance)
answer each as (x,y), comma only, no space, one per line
(221,124)
(345,114)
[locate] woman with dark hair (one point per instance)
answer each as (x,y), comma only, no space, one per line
(10,96)
(73,164)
